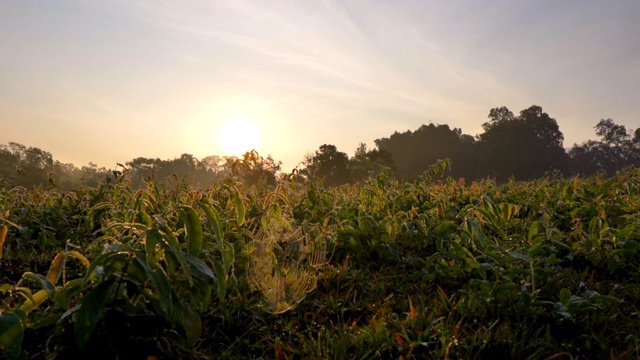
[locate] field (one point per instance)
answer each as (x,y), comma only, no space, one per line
(381,269)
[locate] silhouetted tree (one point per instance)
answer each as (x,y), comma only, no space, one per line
(367,163)
(414,152)
(25,166)
(328,164)
(615,150)
(142,169)
(9,163)
(92,175)
(525,147)
(187,165)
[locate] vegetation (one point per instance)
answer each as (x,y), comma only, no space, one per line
(523,147)
(381,269)
(379,255)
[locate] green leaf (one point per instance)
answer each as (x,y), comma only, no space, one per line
(60,299)
(625,232)
(214,219)
(152,238)
(505,289)
(445,228)
(630,245)
(161,288)
(194,231)
(562,310)
(480,238)
(45,284)
(483,268)
(594,225)
(533,230)
(5,288)
(491,217)
(237,201)
(93,305)
(71,287)
(440,245)
(190,322)
(170,242)
(534,249)
(108,258)
(565,295)
(200,270)
(519,256)
(228,255)
(49,320)
(221,276)
(11,334)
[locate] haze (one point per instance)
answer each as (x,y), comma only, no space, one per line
(112,80)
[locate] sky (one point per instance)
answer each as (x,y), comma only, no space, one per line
(110,81)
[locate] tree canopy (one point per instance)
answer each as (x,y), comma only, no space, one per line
(413,152)
(327,164)
(523,147)
(616,150)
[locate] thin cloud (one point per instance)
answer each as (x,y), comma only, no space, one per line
(368,67)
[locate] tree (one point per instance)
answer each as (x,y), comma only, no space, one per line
(200,173)
(498,116)
(585,158)
(367,163)
(413,152)
(25,166)
(612,134)
(91,175)
(328,164)
(9,163)
(141,169)
(527,146)
(615,150)
(186,165)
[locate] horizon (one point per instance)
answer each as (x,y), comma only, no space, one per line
(110,81)
(177,156)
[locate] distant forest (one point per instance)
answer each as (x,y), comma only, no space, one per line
(519,147)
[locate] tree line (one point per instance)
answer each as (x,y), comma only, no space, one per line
(521,147)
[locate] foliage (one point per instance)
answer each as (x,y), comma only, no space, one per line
(525,146)
(200,174)
(366,163)
(413,152)
(27,166)
(253,168)
(327,164)
(381,269)
(616,150)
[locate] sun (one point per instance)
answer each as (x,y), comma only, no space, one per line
(237,136)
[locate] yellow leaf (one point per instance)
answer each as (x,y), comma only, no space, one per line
(38,298)
(80,257)
(56,268)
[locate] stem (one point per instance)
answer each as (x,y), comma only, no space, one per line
(533,279)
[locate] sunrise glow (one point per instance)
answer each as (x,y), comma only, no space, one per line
(238,136)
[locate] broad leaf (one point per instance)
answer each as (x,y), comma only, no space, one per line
(11,334)
(93,305)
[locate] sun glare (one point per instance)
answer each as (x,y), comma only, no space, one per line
(238,136)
